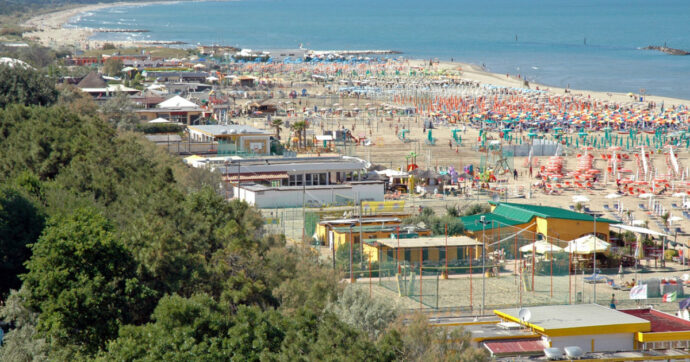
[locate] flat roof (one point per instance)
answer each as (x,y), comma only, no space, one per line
(227,130)
(426,242)
(661,322)
(295,165)
(577,319)
(364,220)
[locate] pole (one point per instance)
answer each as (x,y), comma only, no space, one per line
(397,254)
(446,253)
(570,279)
(421,253)
(594,263)
(483,266)
(352,276)
(551,269)
(475,248)
(534,261)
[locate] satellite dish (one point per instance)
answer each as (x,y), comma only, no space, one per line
(524,314)
(574,352)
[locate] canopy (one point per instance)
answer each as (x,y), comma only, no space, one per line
(580,198)
(637,229)
(177,102)
(612,196)
(540,247)
(159,120)
(587,245)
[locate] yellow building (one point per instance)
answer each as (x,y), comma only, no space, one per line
(543,221)
(324,229)
(341,235)
(424,249)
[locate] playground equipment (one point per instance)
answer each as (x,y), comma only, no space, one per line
(430,140)
(402,135)
(456,138)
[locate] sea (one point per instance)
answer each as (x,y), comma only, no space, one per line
(584,44)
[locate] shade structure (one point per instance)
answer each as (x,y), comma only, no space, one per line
(159,120)
(612,196)
(580,198)
(587,244)
(540,247)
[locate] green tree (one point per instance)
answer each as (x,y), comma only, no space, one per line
(82,282)
(300,128)
(22,342)
(112,66)
(23,85)
(20,225)
(119,112)
(373,316)
(277,124)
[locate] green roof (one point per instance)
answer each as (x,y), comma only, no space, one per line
(472,223)
(525,212)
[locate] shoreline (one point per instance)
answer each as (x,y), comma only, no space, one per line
(51,32)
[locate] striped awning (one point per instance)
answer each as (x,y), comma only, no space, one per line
(261,176)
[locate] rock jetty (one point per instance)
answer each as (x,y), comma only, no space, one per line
(667,50)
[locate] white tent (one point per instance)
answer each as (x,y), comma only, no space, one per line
(587,245)
(637,229)
(159,120)
(540,247)
(177,102)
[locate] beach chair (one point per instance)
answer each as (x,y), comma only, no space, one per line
(596,278)
(606,207)
(587,210)
(642,207)
(674,205)
(613,285)
(572,207)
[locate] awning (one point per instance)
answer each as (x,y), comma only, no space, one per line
(637,229)
(524,347)
(262,176)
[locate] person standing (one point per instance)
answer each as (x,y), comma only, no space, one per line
(613,301)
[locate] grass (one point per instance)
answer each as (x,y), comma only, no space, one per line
(158,51)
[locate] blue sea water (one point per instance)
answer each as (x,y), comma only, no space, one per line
(587,44)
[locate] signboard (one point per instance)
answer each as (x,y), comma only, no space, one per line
(375,207)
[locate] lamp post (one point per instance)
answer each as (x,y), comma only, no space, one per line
(483,221)
(352,276)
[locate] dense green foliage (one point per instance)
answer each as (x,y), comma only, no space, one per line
(439,225)
(159,128)
(125,253)
(19,84)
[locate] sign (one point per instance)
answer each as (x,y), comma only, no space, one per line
(639,292)
(256,146)
(375,207)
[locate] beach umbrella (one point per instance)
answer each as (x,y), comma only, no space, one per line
(646,196)
(540,247)
(587,244)
(580,198)
(612,196)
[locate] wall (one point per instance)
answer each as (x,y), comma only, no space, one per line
(313,195)
(602,342)
(570,229)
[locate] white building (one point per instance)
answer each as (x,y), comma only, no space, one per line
(293,182)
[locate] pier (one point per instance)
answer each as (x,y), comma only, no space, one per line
(667,50)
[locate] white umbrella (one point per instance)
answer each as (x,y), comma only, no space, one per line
(540,247)
(159,120)
(612,196)
(675,218)
(580,198)
(679,194)
(638,222)
(587,245)
(646,196)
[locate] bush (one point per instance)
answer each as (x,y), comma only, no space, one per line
(670,253)
(159,128)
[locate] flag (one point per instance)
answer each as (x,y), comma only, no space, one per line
(639,292)
(685,303)
(669,297)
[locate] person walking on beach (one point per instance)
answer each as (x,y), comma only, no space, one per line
(450,144)
(515,174)
(613,301)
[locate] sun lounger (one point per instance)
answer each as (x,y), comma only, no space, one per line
(596,278)
(606,207)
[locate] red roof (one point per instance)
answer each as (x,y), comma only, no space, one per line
(512,347)
(661,322)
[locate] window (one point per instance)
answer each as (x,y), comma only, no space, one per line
(442,255)
(308,179)
(322,178)
(425,254)
(408,255)
(389,255)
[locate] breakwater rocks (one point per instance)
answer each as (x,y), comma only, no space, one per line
(667,50)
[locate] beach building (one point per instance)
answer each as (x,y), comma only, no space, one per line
(344,234)
(543,221)
(428,250)
(175,109)
(97,87)
(325,228)
(600,332)
(293,182)
(233,138)
(169,76)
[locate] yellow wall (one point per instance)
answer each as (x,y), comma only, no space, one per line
(322,230)
(567,230)
(380,254)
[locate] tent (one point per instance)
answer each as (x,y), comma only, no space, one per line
(540,247)
(177,102)
(587,245)
(159,120)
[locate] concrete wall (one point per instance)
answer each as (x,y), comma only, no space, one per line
(602,342)
(313,195)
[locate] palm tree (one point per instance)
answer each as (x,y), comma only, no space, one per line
(277,123)
(299,127)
